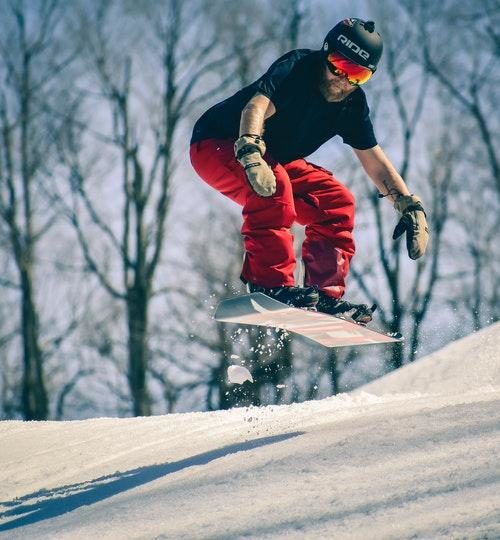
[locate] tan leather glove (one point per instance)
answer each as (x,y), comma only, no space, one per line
(249,150)
(414,223)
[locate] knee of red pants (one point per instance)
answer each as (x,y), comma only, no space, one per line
(343,208)
(328,227)
(319,196)
(260,214)
(335,205)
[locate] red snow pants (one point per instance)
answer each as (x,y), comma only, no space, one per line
(305,193)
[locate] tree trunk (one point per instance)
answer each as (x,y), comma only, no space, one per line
(333,370)
(34,398)
(396,358)
(138,353)
(283,366)
(224,389)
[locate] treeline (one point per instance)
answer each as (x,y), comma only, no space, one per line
(113,254)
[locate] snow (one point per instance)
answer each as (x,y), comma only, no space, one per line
(238,374)
(469,363)
(413,455)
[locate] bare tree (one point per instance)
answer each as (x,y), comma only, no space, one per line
(475,67)
(30,67)
(10,406)
(471,91)
(145,151)
(441,178)
(215,257)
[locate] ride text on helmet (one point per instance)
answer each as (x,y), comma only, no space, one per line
(355,48)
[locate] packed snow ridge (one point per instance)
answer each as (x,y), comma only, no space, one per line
(412,455)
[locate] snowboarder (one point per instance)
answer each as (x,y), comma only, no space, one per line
(251,147)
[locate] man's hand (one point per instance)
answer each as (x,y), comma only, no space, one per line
(249,150)
(414,223)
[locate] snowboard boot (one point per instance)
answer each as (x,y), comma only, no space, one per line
(359,313)
(301,297)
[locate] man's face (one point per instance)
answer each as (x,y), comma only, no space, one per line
(334,87)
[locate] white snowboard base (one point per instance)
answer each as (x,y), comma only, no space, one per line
(261,310)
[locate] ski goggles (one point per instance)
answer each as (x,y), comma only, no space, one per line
(342,67)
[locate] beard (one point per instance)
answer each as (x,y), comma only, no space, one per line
(335,90)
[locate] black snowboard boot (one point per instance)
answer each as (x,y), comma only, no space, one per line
(359,313)
(301,297)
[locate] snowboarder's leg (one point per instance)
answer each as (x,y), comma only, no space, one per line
(269,258)
(326,207)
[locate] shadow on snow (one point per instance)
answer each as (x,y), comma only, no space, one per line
(52,503)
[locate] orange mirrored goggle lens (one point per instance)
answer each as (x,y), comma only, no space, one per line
(340,65)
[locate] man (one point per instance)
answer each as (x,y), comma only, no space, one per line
(251,148)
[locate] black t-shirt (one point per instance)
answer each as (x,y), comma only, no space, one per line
(303,121)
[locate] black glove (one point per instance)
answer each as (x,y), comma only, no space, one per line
(414,223)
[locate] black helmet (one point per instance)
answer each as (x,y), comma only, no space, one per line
(356,40)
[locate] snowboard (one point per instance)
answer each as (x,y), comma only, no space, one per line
(328,330)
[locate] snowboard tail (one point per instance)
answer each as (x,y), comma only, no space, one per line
(261,310)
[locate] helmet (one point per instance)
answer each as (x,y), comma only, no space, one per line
(356,40)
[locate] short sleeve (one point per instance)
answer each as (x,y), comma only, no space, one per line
(358,131)
(272,80)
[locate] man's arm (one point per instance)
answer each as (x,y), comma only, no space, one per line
(255,113)
(382,172)
(249,148)
(390,184)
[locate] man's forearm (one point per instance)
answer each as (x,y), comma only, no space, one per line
(382,173)
(389,183)
(253,116)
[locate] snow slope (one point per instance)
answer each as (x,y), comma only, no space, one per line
(471,363)
(413,455)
